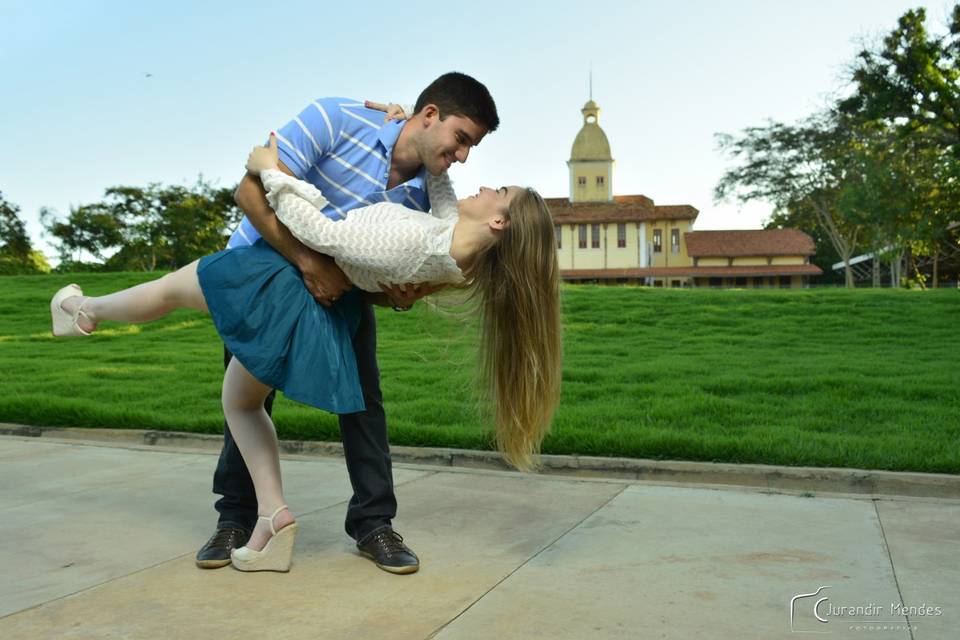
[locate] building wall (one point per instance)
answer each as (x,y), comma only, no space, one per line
(789,260)
(591,191)
(611,256)
(565,252)
(749,261)
(587,258)
(666,257)
(622,257)
(712,262)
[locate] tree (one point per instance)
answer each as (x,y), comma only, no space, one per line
(16,253)
(170,226)
(910,87)
(797,168)
(14,241)
(90,228)
(151,227)
(911,82)
(805,220)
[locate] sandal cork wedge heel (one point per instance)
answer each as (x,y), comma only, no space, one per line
(276,554)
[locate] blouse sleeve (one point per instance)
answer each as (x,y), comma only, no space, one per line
(379,236)
(443,199)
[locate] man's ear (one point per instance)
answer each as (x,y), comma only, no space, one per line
(430,113)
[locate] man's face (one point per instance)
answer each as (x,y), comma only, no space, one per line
(449,140)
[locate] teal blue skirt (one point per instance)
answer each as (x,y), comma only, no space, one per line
(282,336)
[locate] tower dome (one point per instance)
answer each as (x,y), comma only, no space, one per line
(591,142)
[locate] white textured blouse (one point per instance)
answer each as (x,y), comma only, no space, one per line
(383,242)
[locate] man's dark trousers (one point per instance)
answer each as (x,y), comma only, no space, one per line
(365,449)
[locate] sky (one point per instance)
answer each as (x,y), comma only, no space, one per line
(102,93)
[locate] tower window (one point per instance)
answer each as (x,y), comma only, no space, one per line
(621,235)
(583,236)
(657,240)
(599,181)
(595,236)
(557,230)
(675,240)
(582,181)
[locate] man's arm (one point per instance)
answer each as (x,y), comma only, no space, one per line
(323,278)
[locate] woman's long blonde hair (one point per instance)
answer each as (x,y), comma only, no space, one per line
(516,285)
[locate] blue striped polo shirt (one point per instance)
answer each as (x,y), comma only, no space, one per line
(343,149)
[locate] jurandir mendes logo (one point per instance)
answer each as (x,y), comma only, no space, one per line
(815,612)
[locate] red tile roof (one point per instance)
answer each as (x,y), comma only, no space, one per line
(759,242)
(695,272)
(633,208)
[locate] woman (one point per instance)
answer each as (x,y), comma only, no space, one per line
(499,243)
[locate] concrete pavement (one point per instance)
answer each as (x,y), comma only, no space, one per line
(98,542)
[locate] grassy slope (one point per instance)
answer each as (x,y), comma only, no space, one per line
(812,377)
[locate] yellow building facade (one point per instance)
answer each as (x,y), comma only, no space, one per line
(629,239)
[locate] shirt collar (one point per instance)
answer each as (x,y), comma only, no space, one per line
(389,133)
(419,181)
(388,136)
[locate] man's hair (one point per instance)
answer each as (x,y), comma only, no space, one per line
(457,94)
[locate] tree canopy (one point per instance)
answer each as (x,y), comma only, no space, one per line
(17,256)
(876,171)
(145,228)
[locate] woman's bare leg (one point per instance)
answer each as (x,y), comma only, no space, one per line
(253,431)
(144,302)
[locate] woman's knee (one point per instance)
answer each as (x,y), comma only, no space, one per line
(241,392)
(236,402)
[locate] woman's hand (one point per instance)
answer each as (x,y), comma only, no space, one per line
(263,158)
(402,297)
(394,111)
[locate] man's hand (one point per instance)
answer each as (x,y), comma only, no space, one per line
(325,281)
(403,296)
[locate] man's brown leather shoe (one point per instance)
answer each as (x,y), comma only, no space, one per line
(216,553)
(385,547)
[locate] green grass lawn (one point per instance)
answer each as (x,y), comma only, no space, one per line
(858,378)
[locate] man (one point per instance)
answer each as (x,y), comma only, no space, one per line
(355,159)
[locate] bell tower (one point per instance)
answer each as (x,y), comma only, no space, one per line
(590,163)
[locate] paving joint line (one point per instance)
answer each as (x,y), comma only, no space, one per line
(526,562)
(893,569)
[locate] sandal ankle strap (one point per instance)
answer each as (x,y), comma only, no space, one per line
(80,312)
(270,518)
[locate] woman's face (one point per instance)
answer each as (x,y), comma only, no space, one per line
(489,205)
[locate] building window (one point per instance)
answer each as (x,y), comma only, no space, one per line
(675,284)
(758,282)
(675,240)
(657,283)
(784,282)
(582,181)
(583,236)
(559,232)
(595,236)
(599,181)
(657,240)
(716,282)
(621,235)
(740,282)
